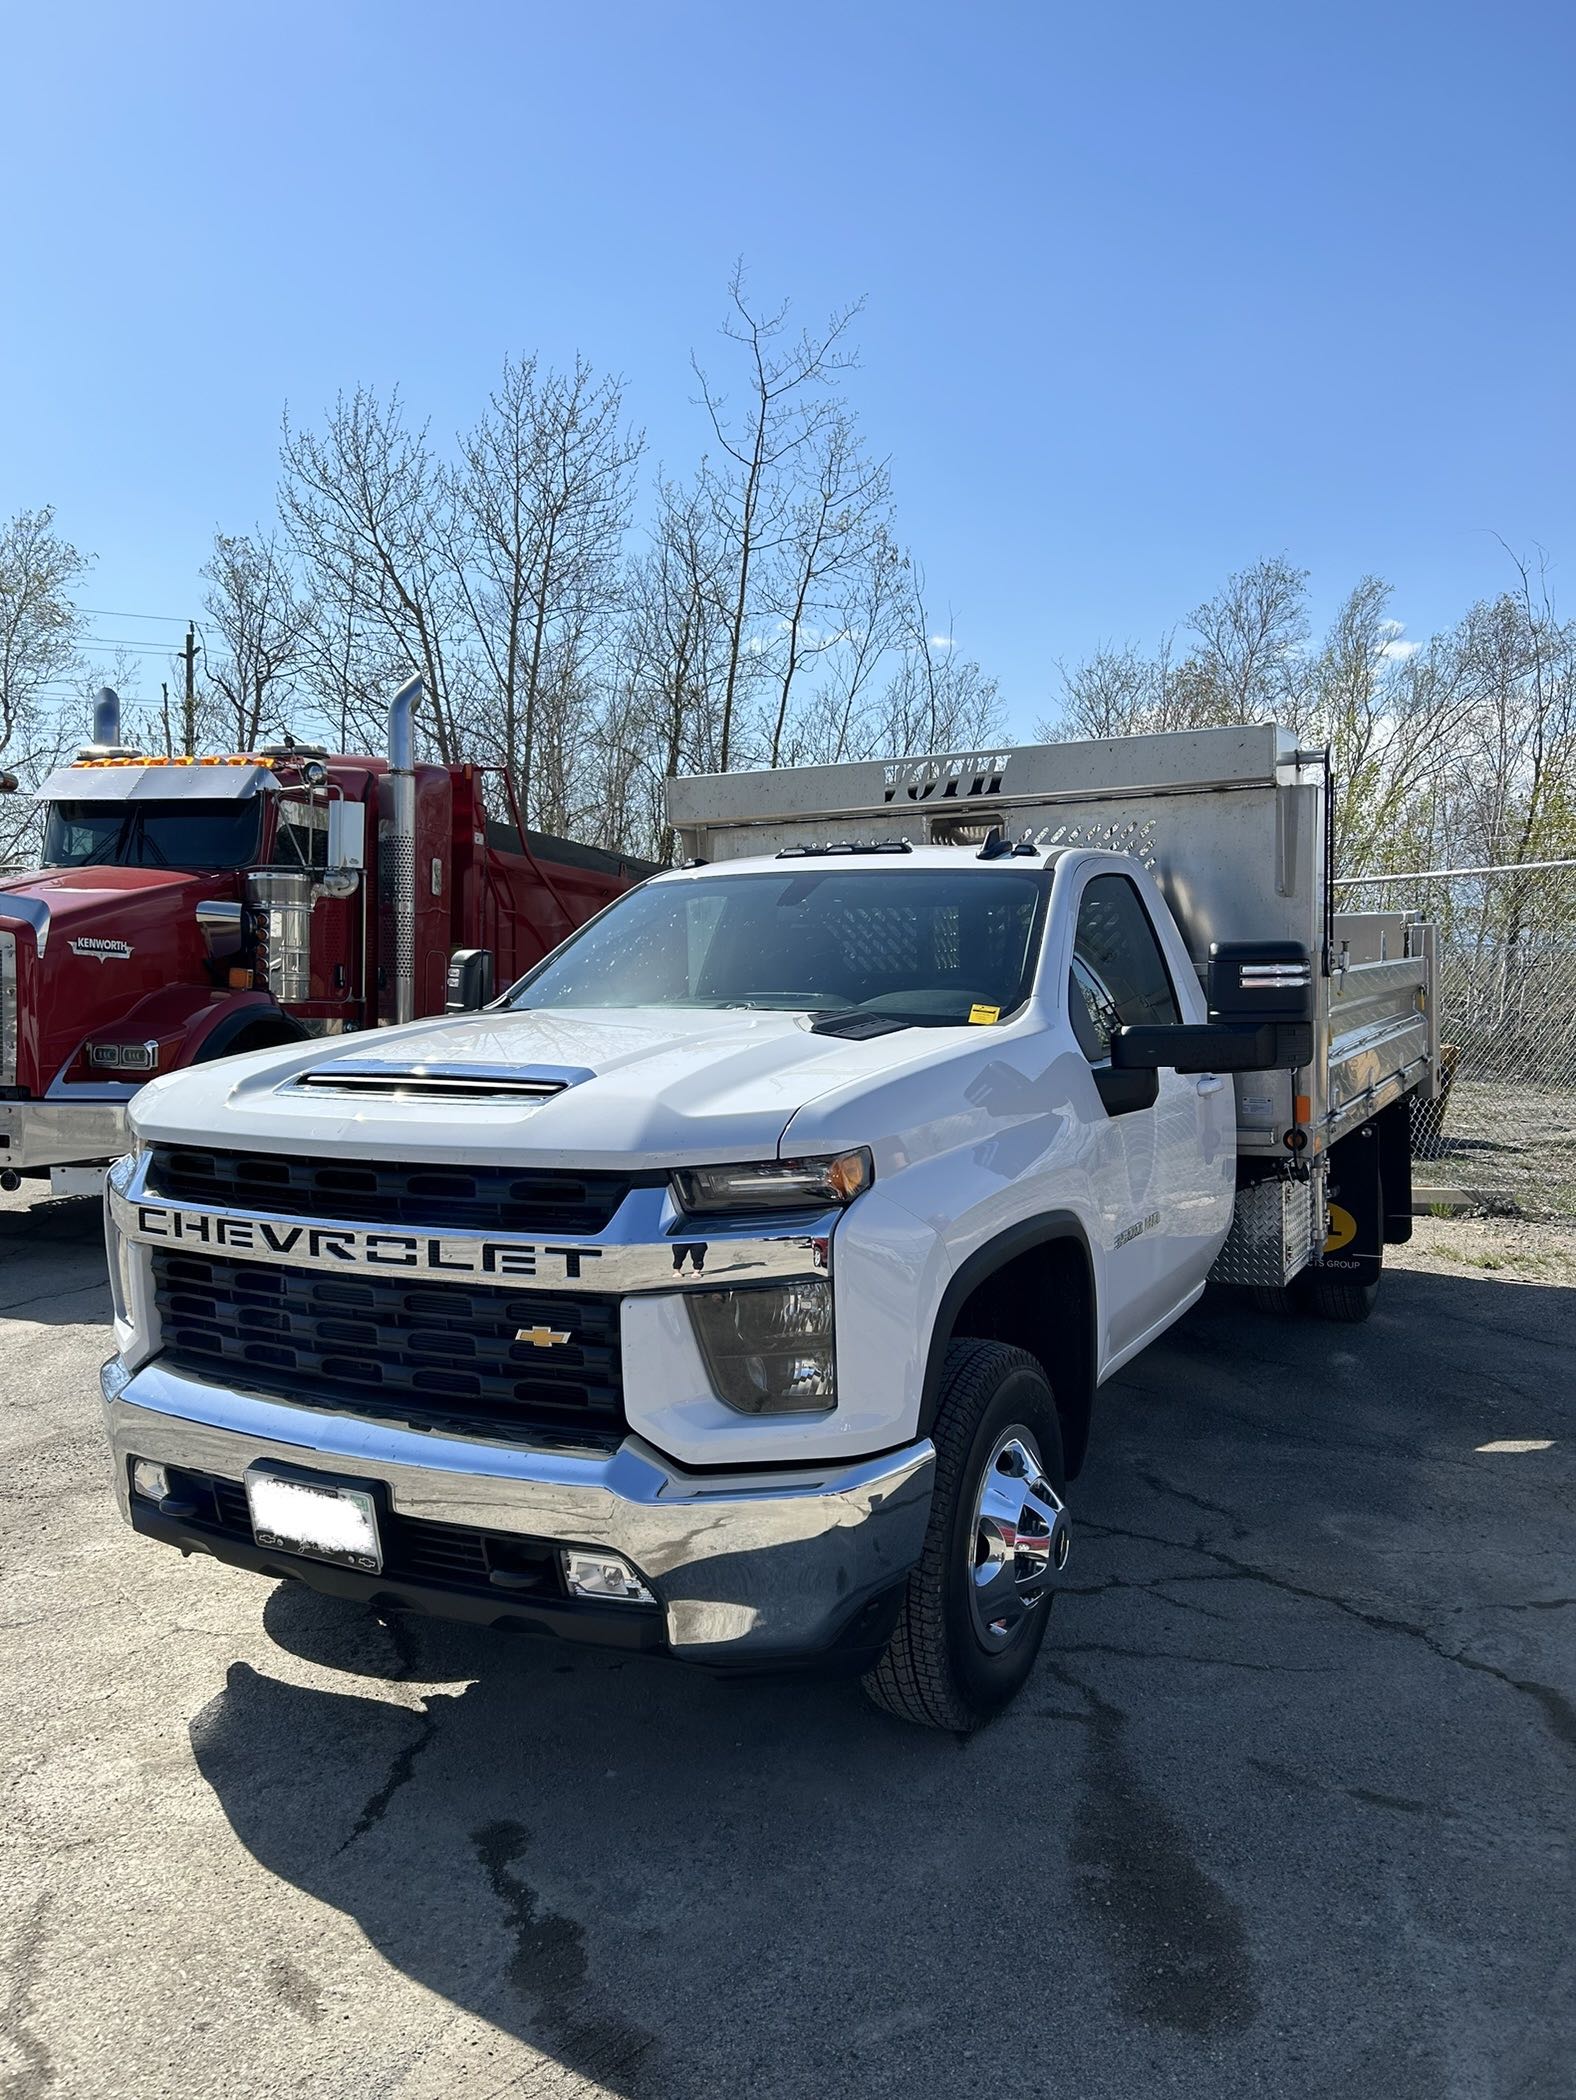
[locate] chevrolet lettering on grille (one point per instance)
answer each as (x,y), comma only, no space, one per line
(355,1247)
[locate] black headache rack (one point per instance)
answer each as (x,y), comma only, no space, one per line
(1261,1012)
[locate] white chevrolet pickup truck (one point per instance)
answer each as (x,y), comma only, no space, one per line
(739,1286)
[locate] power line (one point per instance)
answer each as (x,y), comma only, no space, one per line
(120,641)
(102,612)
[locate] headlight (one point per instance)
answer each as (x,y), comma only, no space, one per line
(768,1347)
(775,1184)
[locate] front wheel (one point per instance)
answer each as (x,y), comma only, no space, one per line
(975,1607)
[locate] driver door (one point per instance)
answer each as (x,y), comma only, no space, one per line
(1160,1172)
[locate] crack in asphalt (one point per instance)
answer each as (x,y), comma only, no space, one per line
(1371,1797)
(1239,1530)
(70,1290)
(1221,1662)
(25,1966)
(1558,1712)
(400,1772)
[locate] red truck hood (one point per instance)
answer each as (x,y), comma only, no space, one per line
(111,902)
(103,941)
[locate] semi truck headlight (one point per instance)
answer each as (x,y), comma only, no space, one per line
(124,1057)
(768,1347)
(775,1184)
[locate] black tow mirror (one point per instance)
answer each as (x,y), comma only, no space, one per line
(1261,1007)
(469,984)
(1195,1046)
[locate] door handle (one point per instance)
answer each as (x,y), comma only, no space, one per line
(1211,1083)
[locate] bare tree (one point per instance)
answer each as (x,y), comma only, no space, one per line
(544,488)
(40,627)
(368,512)
(835,534)
(257,623)
(1112,693)
(937,699)
(676,648)
(787,409)
(1245,663)
(40,644)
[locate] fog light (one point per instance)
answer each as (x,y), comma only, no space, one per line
(605,1577)
(148,1480)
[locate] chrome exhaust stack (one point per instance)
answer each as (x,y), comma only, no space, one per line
(106,728)
(401,846)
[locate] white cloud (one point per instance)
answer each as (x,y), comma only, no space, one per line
(1398,651)
(940,641)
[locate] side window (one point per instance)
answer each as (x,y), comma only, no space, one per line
(302,840)
(1118,977)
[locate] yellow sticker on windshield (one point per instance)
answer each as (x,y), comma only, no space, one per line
(985,1013)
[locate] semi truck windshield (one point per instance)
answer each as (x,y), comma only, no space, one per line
(923,946)
(152,834)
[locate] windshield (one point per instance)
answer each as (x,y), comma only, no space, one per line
(926,945)
(152,834)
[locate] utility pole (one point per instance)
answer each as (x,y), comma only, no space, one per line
(169,748)
(190,723)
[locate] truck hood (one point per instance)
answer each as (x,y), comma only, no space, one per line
(59,903)
(643,1087)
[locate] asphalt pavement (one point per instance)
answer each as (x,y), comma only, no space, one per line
(1284,1811)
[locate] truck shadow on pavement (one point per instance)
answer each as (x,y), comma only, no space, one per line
(1282,1707)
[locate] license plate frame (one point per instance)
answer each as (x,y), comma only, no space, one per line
(314,1518)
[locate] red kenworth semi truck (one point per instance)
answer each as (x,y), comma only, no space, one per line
(193,908)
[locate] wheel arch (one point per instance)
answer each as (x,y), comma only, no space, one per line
(1019,1288)
(227,1035)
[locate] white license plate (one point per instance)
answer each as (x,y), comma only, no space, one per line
(319,1520)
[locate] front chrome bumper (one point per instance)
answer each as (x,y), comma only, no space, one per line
(747,1568)
(60,1133)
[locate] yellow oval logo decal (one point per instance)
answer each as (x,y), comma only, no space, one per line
(1343,1229)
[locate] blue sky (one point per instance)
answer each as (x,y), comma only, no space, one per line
(1152,289)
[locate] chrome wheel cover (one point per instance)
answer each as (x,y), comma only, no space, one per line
(1017,1542)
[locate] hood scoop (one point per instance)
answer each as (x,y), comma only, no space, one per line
(385,1082)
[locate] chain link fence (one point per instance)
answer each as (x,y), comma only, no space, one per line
(1503,1137)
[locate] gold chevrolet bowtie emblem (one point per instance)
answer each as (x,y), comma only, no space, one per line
(542,1337)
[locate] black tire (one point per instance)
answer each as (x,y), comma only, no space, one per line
(1278,1300)
(1329,1296)
(935,1670)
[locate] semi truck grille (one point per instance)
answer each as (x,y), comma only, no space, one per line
(480,1199)
(442,1356)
